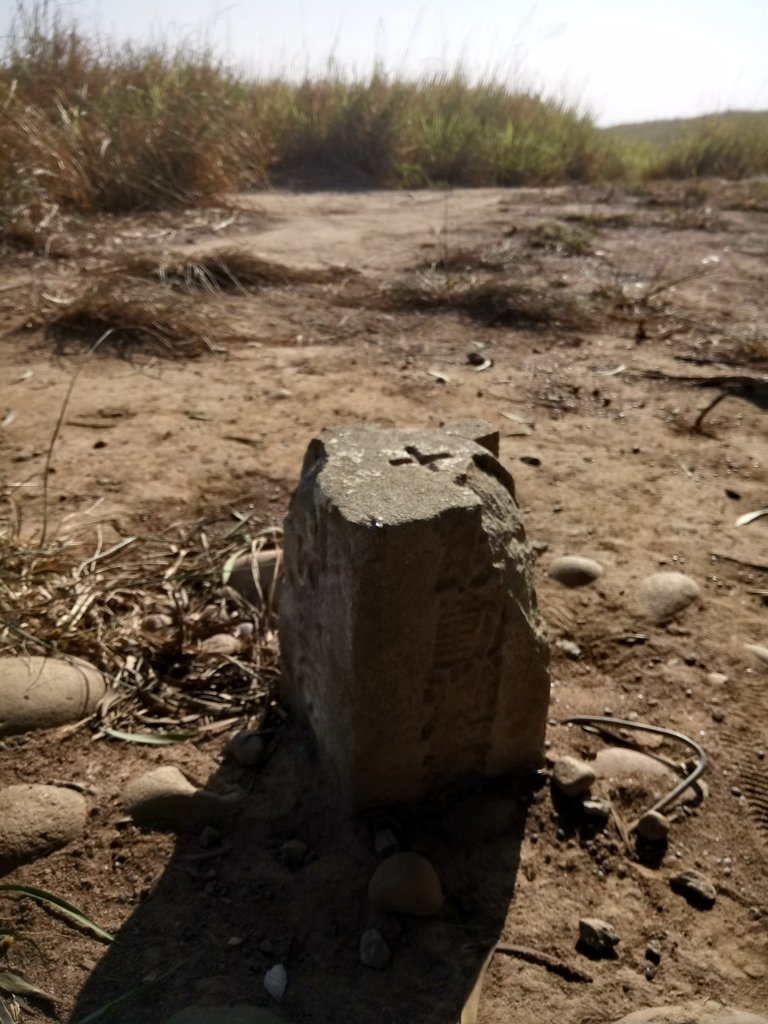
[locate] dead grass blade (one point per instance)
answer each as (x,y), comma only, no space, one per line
(67,909)
(225,270)
(119,317)
(11,984)
(494,300)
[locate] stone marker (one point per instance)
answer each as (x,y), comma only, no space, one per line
(38,693)
(409,631)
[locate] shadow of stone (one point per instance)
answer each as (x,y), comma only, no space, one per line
(228,907)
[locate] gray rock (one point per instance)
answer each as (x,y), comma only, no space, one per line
(239,1013)
(653,826)
(247,748)
(598,935)
(374,951)
(572,776)
(693,1013)
(409,631)
(38,693)
(664,594)
(164,795)
(695,887)
(575,571)
(276,982)
(653,953)
(35,820)
(598,811)
(406,883)
(257,577)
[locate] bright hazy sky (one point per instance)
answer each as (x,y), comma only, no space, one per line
(626,61)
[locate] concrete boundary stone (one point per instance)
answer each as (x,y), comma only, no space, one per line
(409,632)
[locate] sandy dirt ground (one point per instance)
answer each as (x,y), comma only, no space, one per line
(606,465)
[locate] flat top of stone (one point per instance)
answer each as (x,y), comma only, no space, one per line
(380,476)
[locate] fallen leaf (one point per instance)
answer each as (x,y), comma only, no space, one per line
(750,517)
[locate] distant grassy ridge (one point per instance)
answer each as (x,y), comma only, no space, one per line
(731,144)
(89,127)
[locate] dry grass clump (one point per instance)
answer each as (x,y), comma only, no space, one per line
(225,270)
(144,610)
(116,315)
(553,236)
(494,300)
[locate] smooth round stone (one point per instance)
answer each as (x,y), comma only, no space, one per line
(247,748)
(664,594)
(406,883)
(572,776)
(575,571)
(166,796)
(239,1013)
(693,1013)
(621,763)
(258,577)
(39,693)
(35,820)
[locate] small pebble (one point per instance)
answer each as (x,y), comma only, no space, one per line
(653,953)
(653,826)
(276,982)
(575,571)
(598,935)
(246,747)
(695,887)
(406,883)
(572,776)
(569,648)
(597,810)
(374,951)
(385,843)
(735,791)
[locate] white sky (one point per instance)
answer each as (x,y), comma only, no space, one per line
(626,61)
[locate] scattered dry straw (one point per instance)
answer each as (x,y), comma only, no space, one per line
(144,610)
(127,319)
(225,270)
(494,300)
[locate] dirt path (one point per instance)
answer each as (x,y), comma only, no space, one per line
(606,466)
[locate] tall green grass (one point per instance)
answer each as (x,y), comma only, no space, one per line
(85,126)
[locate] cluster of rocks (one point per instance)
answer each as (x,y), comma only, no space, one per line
(663,595)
